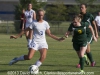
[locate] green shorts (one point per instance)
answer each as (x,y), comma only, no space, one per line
(90,39)
(77,46)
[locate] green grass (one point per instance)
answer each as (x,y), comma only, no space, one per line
(60,57)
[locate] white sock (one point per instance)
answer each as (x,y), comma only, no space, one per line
(21,58)
(38,63)
(29,41)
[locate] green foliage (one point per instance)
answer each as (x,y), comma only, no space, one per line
(56,12)
(72,10)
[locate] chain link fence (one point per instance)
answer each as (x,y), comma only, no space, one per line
(11,27)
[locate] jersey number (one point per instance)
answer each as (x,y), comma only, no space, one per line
(41,32)
(79,31)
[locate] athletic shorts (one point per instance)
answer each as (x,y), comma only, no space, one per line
(77,46)
(38,45)
(90,39)
(27,25)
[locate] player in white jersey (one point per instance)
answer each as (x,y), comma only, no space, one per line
(30,16)
(39,41)
(97,19)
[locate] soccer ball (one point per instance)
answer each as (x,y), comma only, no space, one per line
(33,69)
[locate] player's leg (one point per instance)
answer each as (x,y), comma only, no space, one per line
(23,57)
(77,48)
(21,24)
(78,65)
(82,58)
(27,35)
(89,54)
(30,54)
(43,53)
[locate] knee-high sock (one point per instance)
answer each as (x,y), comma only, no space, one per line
(89,55)
(82,60)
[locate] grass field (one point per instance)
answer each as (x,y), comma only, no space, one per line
(60,57)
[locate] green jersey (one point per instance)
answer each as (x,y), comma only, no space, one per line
(88,18)
(79,32)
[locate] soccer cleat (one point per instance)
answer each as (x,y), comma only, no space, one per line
(78,66)
(82,71)
(93,63)
(13,61)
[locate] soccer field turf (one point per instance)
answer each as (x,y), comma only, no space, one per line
(60,56)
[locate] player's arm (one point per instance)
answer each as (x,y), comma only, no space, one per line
(67,34)
(21,33)
(69,31)
(97,25)
(95,28)
(34,16)
(23,26)
(53,36)
(96,19)
(93,33)
(94,25)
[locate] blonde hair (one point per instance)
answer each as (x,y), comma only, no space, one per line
(41,10)
(78,17)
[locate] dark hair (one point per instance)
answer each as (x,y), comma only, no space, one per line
(84,5)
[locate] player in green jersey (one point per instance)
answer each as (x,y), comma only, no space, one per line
(80,37)
(87,17)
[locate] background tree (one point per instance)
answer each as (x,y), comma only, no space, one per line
(56,12)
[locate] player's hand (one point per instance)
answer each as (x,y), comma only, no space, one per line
(97,36)
(66,35)
(95,39)
(61,39)
(13,36)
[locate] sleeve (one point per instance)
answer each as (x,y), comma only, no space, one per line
(31,26)
(70,27)
(96,18)
(47,25)
(92,17)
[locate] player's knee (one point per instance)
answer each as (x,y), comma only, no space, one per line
(87,51)
(43,57)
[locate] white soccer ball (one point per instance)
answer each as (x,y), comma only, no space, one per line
(33,69)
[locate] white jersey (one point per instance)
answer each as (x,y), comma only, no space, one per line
(97,19)
(39,31)
(29,17)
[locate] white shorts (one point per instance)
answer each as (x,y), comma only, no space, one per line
(27,25)
(38,45)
